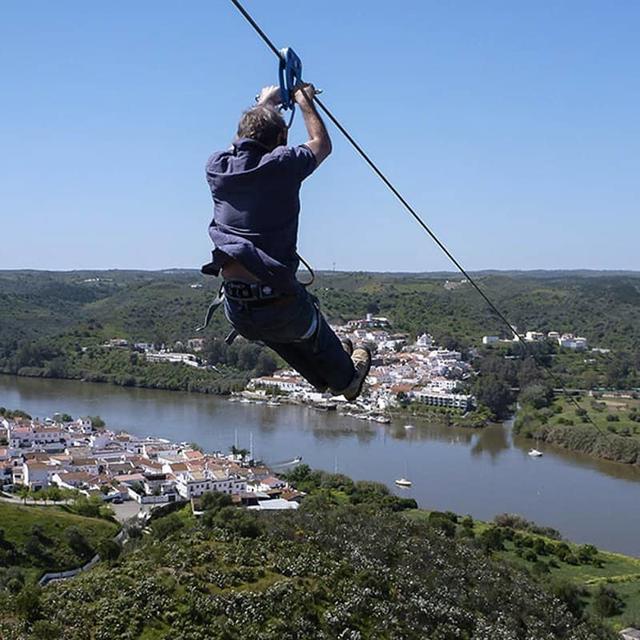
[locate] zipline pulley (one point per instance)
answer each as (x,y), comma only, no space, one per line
(290,75)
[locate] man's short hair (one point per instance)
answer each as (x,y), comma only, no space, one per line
(264,124)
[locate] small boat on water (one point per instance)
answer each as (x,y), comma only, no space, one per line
(324,406)
(534,453)
(403,482)
(409,426)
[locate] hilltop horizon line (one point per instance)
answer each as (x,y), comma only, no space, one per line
(325,272)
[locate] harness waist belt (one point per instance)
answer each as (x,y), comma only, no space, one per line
(249,291)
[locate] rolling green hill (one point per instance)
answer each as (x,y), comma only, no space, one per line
(40,539)
(327,571)
(51,319)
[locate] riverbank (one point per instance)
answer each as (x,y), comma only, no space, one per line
(481,472)
(123,368)
(602,428)
(475,419)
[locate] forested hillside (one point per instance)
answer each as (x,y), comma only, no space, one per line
(53,323)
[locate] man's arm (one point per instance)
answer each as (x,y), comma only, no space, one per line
(319,141)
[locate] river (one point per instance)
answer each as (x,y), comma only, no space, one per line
(482,473)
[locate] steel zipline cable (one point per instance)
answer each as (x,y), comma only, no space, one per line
(363,154)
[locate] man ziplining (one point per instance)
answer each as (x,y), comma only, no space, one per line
(255,186)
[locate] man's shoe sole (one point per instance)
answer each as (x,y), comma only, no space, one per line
(347,345)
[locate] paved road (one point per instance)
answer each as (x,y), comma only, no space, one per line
(127,510)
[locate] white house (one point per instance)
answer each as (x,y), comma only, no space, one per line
(87,465)
(425,341)
(100,440)
(191,484)
(266,484)
(20,437)
(443,384)
(282,383)
(436,398)
(173,357)
(81,425)
(74,480)
(569,341)
(143,346)
(48,435)
(36,475)
(445,356)
(275,504)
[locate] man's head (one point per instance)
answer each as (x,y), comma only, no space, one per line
(265,125)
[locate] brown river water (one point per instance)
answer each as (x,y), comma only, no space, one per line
(482,473)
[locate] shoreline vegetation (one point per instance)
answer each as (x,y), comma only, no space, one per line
(130,370)
(557,421)
(475,419)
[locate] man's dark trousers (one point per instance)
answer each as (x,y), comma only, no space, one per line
(320,358)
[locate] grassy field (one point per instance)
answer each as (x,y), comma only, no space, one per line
(615,570)
(47,529)
(622,573)
(613,415)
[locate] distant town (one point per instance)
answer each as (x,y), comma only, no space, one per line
(403,371)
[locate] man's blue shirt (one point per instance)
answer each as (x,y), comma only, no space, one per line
(256,207)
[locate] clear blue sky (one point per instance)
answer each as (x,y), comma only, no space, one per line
(513,127)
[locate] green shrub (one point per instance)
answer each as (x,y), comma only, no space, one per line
(164,527)
(607,603)
(442,522)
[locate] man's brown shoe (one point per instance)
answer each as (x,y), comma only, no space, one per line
(361,358)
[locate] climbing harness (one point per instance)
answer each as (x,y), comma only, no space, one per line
(230,290)
(312,273)
(258,294)
(526,347)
